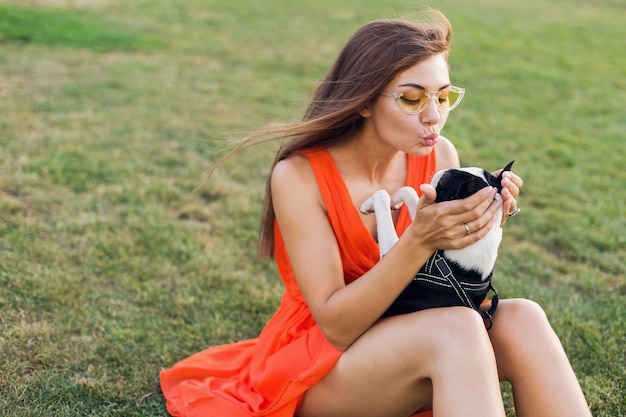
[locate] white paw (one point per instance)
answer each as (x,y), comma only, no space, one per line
(380,198)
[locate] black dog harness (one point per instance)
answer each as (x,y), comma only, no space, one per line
(442,283)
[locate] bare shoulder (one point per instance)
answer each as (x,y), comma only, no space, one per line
(292,165)
(447,155)
(293,181)
(294,171)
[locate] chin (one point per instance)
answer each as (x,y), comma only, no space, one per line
(420,150)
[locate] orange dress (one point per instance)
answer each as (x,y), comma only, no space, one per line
(269,375)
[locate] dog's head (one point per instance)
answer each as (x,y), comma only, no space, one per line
(458,183)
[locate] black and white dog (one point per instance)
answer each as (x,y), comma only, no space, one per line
(459,277)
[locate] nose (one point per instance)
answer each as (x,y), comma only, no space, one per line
(430,115)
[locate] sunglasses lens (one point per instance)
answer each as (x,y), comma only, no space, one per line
(444,100)
(449,99)
(413,102)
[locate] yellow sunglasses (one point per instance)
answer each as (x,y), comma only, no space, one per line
(416,101)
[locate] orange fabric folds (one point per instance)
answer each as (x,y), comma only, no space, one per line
(268,376)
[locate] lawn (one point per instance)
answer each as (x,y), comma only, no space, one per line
(118,257)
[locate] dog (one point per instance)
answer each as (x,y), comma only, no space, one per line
(459,277)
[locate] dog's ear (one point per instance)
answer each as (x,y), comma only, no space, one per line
(497,181)
(505,169)
(492,180)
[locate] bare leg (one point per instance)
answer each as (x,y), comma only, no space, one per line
(403,363)
(530,356)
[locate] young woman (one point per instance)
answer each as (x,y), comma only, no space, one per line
(375,122)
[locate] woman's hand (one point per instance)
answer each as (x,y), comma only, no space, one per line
(454,224)
(511,185)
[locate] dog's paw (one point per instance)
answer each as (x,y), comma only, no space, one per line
(405,195)
(380,198)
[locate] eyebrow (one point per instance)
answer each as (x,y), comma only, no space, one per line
(422,88)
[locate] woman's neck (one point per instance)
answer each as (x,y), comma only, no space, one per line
(371,162)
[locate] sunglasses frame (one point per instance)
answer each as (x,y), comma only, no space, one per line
(398,96)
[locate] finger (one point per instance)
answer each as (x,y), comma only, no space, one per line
(507,206)
(428,193)
(476,216)
(512,176)
(510,184)
(475,232)
(486,219)
(486,206)
(473,206)
(517,180)
(508,198)
(512,181)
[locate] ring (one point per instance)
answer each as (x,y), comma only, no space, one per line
(467,230)
(514,212)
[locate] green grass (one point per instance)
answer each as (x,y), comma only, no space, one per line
(112,267)
(59,27)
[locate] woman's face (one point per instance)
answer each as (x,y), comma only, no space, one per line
(414,134)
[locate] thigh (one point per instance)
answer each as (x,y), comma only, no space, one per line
(388,370)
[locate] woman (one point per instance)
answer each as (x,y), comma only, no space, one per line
(375,122)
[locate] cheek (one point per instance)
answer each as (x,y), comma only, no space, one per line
(402,122)
(391,121)
(403,125)
(443,118)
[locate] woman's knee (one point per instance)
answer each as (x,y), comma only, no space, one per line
(460,332)
(521,316)
(519,320)
(521,332)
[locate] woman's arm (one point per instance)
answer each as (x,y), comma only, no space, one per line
(345,312)
(342,312)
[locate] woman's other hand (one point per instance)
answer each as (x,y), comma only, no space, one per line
(511,186)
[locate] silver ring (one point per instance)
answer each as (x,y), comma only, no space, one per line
(467,230)
(514,212)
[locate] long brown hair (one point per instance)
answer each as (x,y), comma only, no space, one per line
(369,61)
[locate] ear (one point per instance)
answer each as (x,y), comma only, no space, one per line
(493,181)
(506,168)
(497,181)
(366,111)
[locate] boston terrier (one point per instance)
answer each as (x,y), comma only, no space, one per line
(460,277)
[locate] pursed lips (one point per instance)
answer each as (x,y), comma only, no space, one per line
(431,139)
